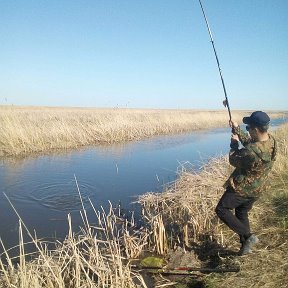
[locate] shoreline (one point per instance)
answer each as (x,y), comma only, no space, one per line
(41,130)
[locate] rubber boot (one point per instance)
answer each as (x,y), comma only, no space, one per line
(247,245)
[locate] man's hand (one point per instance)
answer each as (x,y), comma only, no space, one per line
(233,125)
(234,144)
(235,137)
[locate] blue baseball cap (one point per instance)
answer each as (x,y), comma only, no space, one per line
(257,118)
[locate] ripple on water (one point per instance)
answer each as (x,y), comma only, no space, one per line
(56,196)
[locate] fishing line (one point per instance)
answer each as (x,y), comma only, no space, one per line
(225,102)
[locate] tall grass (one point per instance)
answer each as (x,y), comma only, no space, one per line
(97,256)
(38,129)
(187,208)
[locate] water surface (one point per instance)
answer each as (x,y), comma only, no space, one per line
(43,188)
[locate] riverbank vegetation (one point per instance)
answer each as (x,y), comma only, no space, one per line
(186,210)
(25,130)
(96,256)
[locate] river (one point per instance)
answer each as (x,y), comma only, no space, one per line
(43,188)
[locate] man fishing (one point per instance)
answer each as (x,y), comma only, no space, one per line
(252,163)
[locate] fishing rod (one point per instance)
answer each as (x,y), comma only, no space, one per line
(225,102)
(185,270)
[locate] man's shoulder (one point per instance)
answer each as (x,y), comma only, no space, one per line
(263,149)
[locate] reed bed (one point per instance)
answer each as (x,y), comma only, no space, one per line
(26,130)
(186,208)
(97,256)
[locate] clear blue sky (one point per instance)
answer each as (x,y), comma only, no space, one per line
(145,54)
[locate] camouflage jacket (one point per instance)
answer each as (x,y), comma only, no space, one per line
(252,164)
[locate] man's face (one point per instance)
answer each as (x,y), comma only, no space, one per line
(252,131)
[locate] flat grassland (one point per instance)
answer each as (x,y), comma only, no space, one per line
(25,130)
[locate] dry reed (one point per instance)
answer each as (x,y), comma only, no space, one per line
(95,257)
(25,130)
(187,207)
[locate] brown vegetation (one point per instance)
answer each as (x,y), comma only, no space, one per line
(95,257)
(187,209)
(26,130)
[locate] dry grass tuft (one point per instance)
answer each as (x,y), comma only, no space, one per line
(187,205)
(95,257)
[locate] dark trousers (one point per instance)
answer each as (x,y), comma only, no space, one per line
(239,221)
